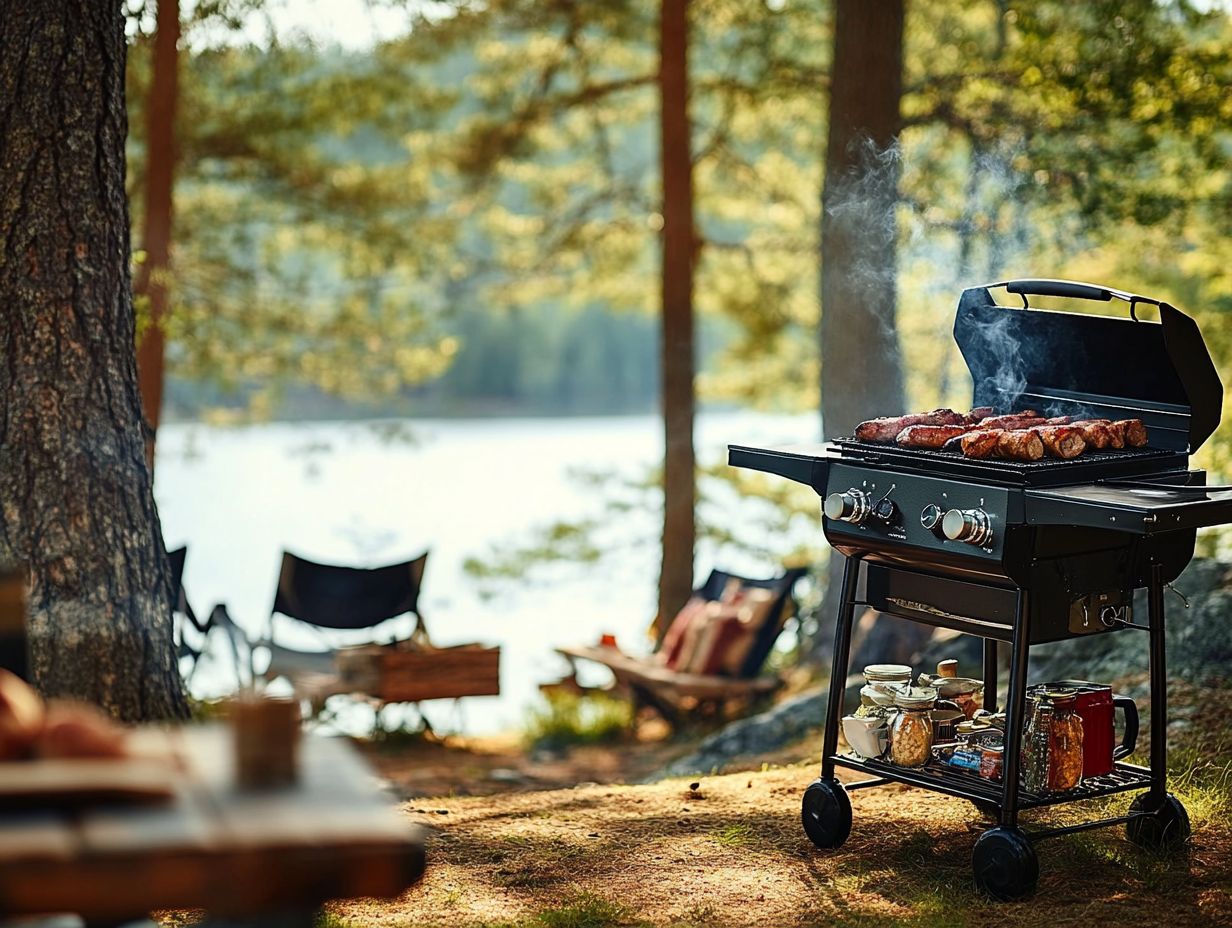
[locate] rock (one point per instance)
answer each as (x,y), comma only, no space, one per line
(1199,637)
(758,734)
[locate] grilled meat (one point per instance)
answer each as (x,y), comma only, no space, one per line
(980,444)
(1100,433)
(886,428)
(978,414)
(1020,445)
(929,436)
(1135,432)
(1008,444)
(1018,420)
(1061,441)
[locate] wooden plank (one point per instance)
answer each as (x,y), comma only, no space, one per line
(76,781)
(642,671)
(41,835)
(416,674)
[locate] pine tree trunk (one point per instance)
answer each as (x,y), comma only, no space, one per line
(76,503)
(861,365)
(152,278)
(679,250)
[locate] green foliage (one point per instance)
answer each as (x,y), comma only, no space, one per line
(468,205)
(566,719)
(584,910)
(207,710)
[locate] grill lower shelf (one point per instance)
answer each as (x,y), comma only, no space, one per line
(968,785)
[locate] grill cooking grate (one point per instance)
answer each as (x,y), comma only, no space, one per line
(1106,456)
(1091,465)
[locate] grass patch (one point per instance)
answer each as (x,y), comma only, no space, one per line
(699,915)
(734,836)
(329,920)
(567,719)
(584,910)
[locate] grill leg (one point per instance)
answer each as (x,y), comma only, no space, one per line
(990,674)
(1020,651)
(1159,687)
(838,673)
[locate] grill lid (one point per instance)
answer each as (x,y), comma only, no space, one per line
(1086,365)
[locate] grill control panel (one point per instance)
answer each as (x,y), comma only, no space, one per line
(927,512)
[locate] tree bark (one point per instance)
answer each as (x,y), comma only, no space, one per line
(861,366)
(152,277)
(679,250)
(76,504)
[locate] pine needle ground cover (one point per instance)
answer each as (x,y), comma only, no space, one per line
(732,853)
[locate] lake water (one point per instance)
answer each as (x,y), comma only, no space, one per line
(373,493)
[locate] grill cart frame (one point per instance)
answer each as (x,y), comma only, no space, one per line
(1004,858)
(1069,544)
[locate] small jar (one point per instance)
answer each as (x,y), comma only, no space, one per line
(992,760)
(911,730)
(887,673)
(1064,741)
(1035,746)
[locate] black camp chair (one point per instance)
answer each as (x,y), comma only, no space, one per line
(218,618)
(329,597)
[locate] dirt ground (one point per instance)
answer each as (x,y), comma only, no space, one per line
(731,853)
(487,766)
(519,850)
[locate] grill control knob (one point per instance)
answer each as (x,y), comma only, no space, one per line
(930,518)
(886,511)
(852,506)
(969,525)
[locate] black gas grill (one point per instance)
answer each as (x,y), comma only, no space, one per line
(1024,553)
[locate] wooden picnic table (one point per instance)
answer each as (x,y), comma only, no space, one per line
(212,845)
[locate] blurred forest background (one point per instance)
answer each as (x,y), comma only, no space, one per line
(464,217)
(469,208)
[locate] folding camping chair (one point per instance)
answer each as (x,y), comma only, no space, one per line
(218,618)
(676,693)
(327,597)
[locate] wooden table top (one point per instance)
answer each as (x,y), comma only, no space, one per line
(213,846)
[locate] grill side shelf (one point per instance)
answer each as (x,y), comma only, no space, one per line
(807,464)
(1142,511)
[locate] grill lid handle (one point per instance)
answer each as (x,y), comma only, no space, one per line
(1074,289)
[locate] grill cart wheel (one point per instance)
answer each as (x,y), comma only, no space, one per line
(1165,829)
(826,813)
(1005,864)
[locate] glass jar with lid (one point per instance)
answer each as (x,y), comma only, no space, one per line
(1064,740)
(911,728)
